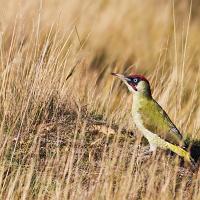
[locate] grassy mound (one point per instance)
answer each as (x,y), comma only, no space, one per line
(66,130)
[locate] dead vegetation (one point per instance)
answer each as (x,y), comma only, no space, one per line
(66,130)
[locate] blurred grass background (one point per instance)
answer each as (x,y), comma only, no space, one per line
(55,87)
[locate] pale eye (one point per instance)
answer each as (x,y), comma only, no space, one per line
(135,80)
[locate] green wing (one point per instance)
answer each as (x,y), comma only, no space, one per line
(156,120)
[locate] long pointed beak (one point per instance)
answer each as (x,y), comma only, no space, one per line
(121,76)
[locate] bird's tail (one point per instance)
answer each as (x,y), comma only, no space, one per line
(182,153)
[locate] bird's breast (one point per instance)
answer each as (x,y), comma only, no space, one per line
(137,118)
(139,103)
(140,125)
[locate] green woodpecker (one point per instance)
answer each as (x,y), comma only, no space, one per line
(151,120)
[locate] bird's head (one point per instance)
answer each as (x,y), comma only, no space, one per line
(137,84)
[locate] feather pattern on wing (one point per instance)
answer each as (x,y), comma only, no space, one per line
(156,120)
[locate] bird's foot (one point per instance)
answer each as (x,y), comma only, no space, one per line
(145,153)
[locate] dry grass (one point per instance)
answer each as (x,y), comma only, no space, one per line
(66,130)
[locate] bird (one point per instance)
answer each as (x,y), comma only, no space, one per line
(152,120)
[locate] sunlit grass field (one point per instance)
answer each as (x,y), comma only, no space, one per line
(66,127)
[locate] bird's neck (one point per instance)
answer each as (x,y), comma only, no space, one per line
(143,89)
(138,99)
